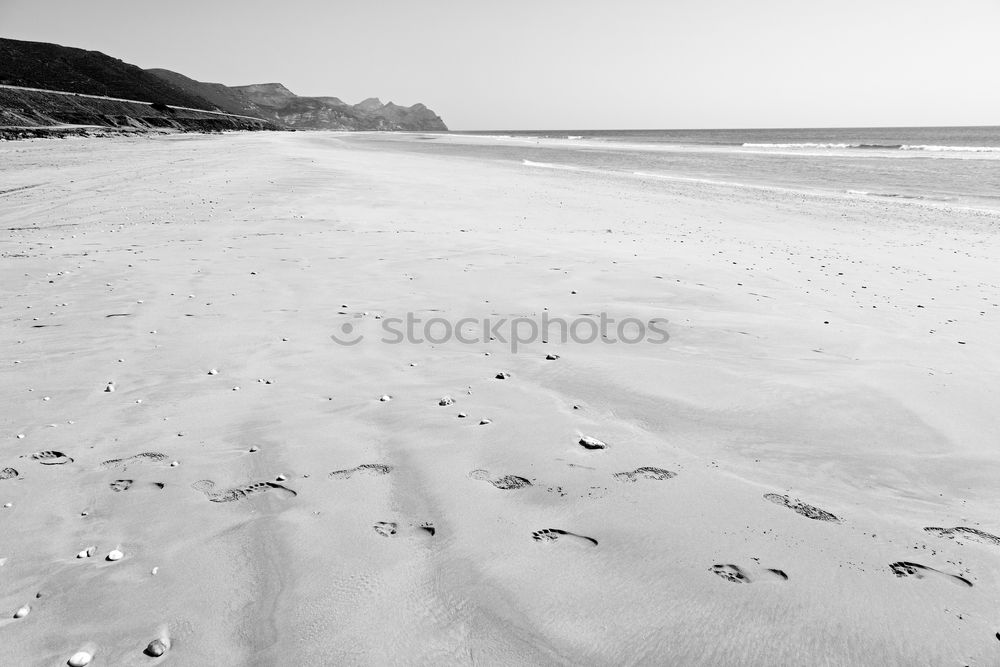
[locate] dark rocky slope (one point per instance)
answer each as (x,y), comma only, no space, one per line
(148,99)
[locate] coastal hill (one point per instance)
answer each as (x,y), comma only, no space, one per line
(278,104)
(146,99)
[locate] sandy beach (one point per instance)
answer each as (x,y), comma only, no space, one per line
(804,473)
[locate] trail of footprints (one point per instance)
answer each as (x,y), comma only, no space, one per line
(728,571)
(507,482)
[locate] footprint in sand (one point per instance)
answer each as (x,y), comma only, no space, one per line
(646,472)
(916,570)
(7,473)
(738,575)
(961,532)
(373,469)
(50,458)
(144,457)
(120,485)
(555,534)
(208,487)
(806,510)
(506,482)
(385,528)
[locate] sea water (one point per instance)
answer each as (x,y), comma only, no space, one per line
(958,166)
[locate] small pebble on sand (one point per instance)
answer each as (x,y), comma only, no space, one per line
(551,357)
(156,648)
(484,422)
(254,448)
(385,397)
(87,553)
(80,659)
(154,571)
(461,415)
(22,612)
(174,464)
(109,388)
(213,372)
(280,478)
(114,555)
(502,375)
(592,443)
(446,400)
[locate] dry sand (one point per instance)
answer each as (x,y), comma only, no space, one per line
(815,354)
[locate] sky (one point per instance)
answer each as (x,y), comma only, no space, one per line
(565,64)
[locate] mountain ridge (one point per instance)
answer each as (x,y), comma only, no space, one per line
(57,68)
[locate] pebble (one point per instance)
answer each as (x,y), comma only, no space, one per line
(8,505)
(484,422)
(20,435)
(80,659)
(502,375)
(280,478)
(114,555)
(174,464)
(592,443)
(154,571)
(110,388)
(461,415)
(551,357)
(213,372)
(87,553)
(22,612)
(446,400)
(254,448)
(385,397)
(156,648)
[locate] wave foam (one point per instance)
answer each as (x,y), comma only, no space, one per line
(903,147)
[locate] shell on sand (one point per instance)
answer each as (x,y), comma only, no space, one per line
(80,659)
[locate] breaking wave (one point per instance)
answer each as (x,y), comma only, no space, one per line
(902,147)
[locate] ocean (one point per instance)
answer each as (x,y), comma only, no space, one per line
(957,166)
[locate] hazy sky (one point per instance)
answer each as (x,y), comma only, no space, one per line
(561,64)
